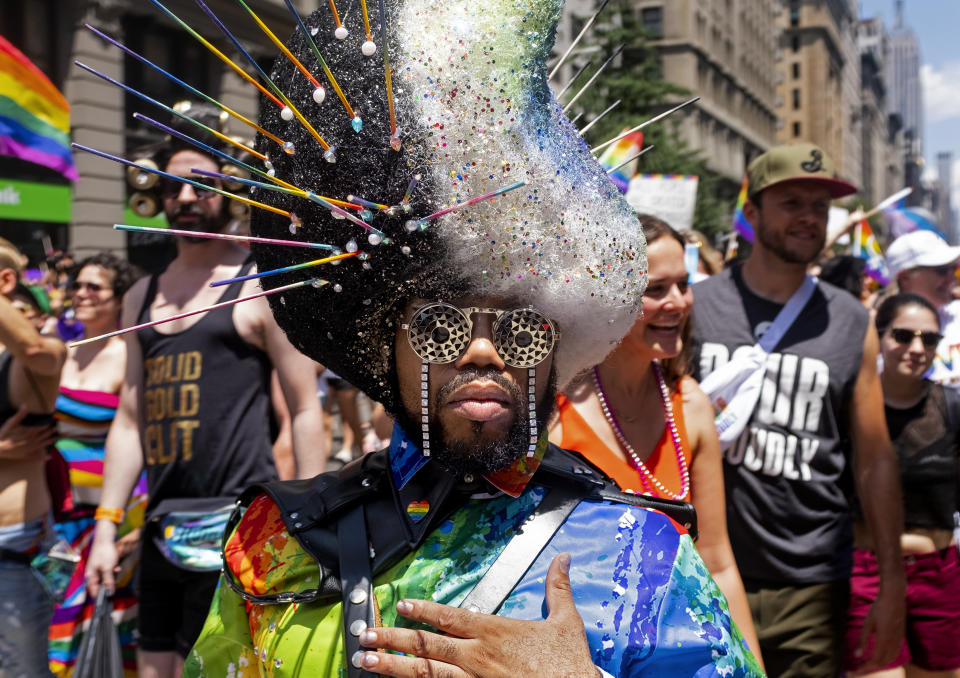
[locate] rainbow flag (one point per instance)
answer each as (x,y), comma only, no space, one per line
(866,246)
(34,115)
(740,223)
(619,153)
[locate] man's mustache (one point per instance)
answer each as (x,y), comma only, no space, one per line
(190,210)
(474,374)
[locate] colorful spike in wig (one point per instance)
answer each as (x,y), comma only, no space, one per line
(466,84)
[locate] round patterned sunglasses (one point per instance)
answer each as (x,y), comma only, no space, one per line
(439,333)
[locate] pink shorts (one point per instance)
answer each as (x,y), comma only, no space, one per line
(933,608)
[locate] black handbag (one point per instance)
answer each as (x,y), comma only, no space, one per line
(99,653)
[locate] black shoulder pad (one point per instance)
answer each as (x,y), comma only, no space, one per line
(309,509)
(312,508)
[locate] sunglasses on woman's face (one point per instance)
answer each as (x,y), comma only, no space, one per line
(78,285)
(905,337)
(171,188)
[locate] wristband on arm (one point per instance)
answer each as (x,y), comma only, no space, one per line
(114,515)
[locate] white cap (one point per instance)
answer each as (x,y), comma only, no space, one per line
(920,248)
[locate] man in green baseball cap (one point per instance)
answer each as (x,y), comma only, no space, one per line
(813,354)
(802,162)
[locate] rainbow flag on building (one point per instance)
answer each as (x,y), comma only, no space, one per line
(619,153)
(34,115)
(866,246)
(740,223)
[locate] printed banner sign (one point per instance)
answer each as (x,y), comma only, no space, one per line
(670,197)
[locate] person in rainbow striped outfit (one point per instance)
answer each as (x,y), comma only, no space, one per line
(86,404)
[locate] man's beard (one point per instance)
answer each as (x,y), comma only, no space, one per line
(776,244)
(203,223)
(476,457)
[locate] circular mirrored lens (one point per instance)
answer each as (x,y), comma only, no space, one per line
(439,333)
(524,337)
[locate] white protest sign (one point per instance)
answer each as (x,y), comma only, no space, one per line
(670,197)
(836,223)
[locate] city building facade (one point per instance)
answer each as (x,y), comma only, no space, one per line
(719,50)
(52,34)
(819,90)
(881,166)
(946,217)
(905,96)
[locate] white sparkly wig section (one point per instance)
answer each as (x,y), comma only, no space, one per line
(567,240)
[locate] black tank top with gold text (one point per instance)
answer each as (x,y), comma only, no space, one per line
(204,407)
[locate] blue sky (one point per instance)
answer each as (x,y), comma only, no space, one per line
(935,23)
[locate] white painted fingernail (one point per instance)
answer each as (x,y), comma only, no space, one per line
(368,638)
(370,659)
(404,607)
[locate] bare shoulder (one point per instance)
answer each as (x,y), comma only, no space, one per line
(133,299)
(115,351)
(253,318)
(692,393)
(696,405)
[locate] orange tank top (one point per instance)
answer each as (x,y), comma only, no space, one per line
(662,462)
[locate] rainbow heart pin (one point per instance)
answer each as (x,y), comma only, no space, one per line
(417,510)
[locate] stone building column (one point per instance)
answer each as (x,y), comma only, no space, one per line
(96,115)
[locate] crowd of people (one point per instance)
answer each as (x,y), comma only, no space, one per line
(810,566)
(563,471)
(60,405)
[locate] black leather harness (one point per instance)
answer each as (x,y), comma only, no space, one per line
(355,525)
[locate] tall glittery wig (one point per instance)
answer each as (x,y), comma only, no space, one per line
(454,103)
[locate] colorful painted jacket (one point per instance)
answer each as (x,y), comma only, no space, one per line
(649,606)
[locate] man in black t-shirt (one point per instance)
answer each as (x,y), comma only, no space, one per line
(819,407)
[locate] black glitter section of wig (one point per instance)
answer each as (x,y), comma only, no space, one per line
(351,331)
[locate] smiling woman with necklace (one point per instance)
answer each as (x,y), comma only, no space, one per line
(646,424)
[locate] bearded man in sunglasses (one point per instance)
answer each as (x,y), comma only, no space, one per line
(924,264)
(194,408)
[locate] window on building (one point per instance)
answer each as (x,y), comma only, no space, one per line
(652,18)
(39,29)
(796,71)
(174,51)
(795,43)
(796,129)
(794,13)
(796,99)
(576,25)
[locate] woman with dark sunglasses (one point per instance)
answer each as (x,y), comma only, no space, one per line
(923,419)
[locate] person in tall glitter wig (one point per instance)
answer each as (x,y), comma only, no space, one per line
(480,259)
